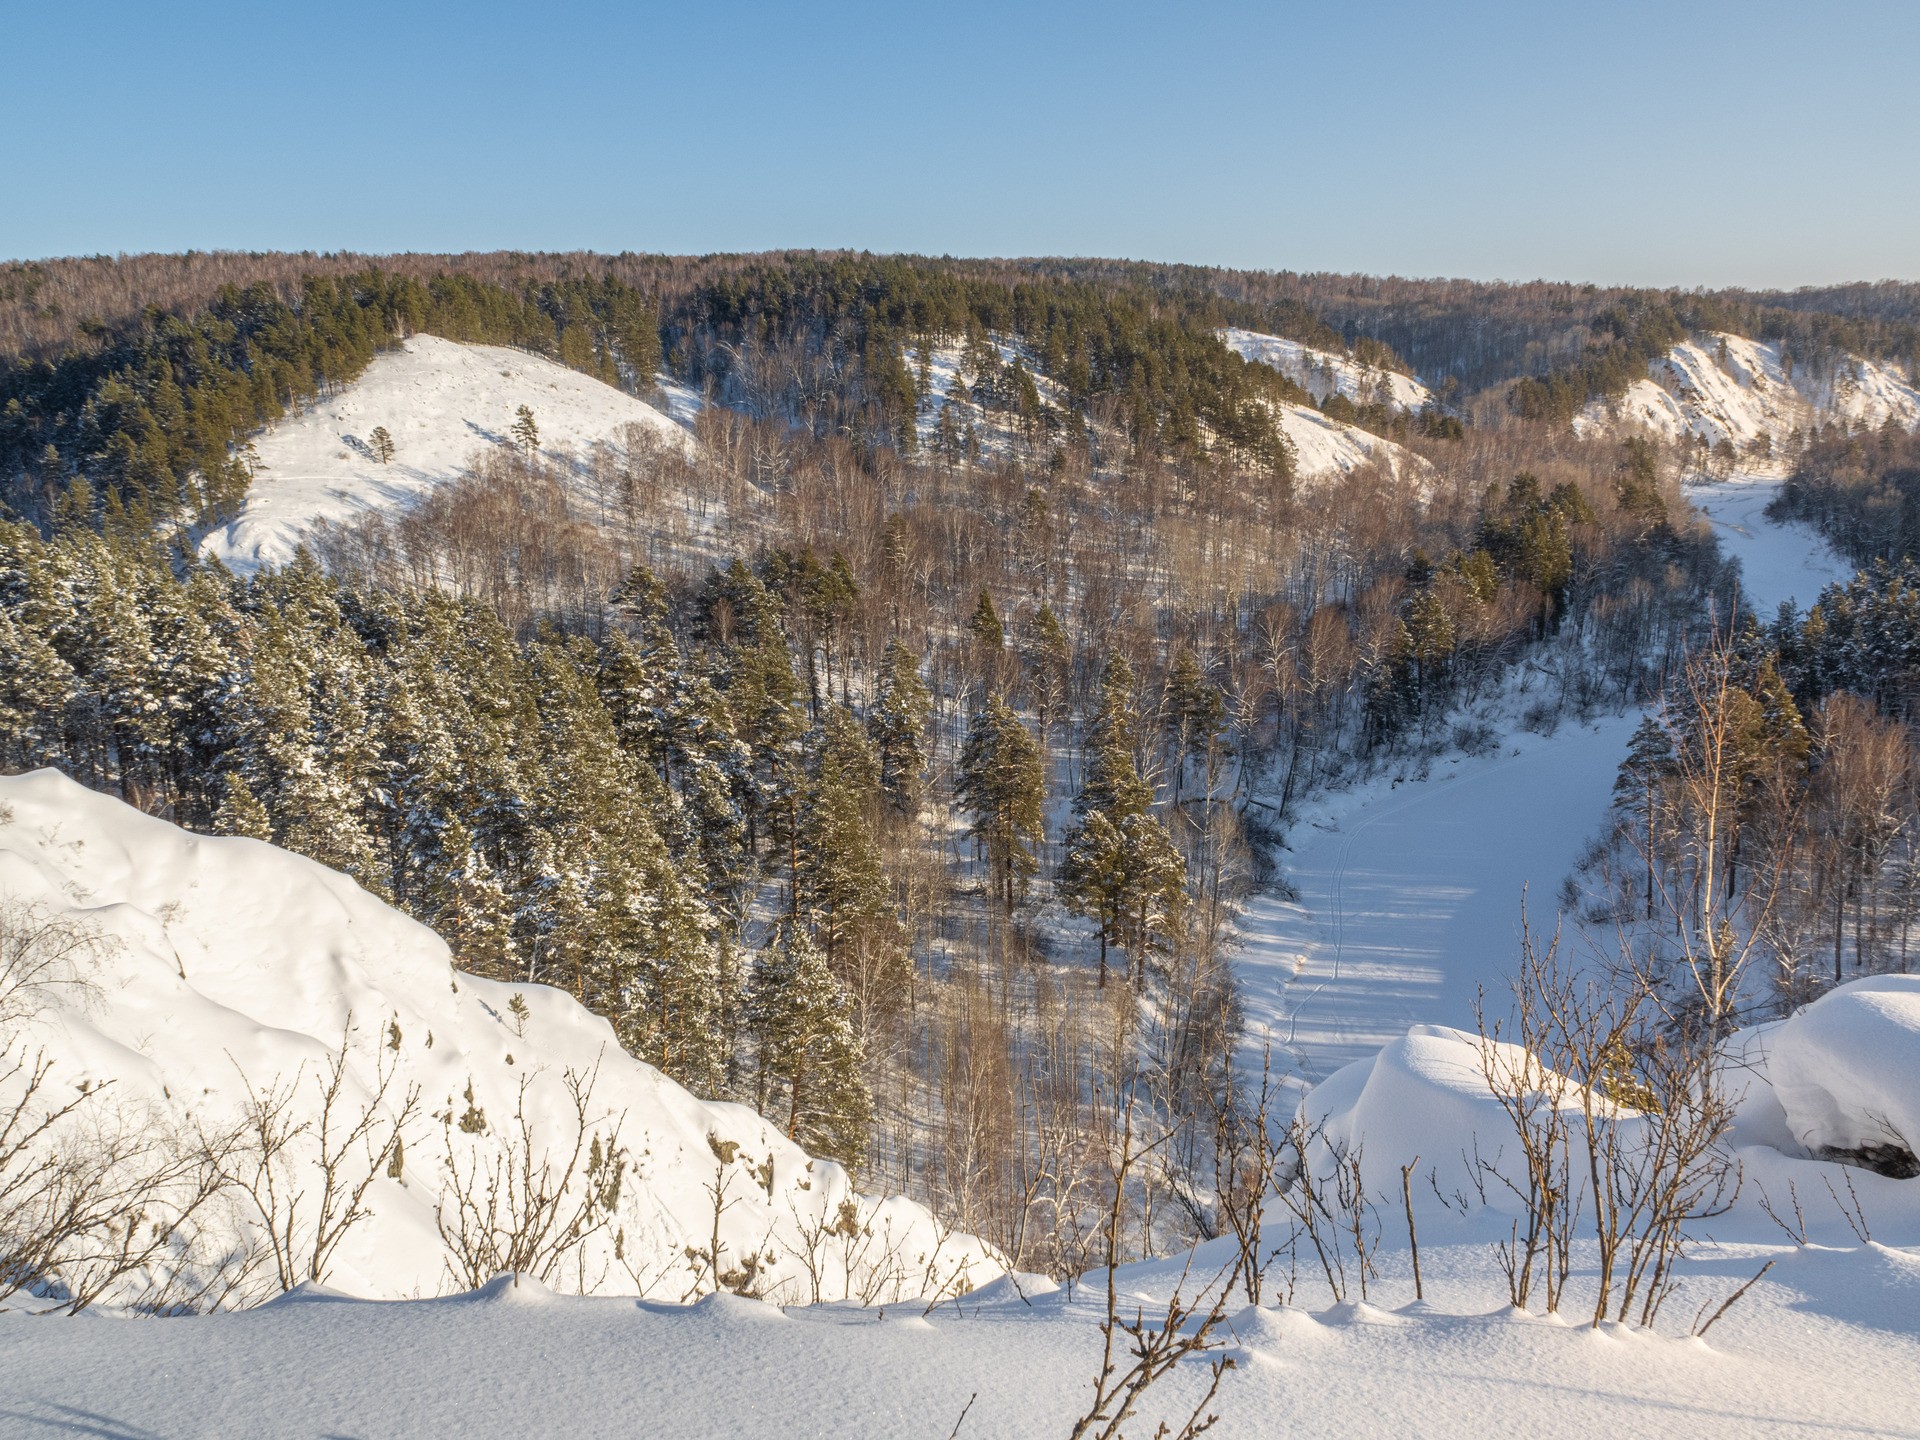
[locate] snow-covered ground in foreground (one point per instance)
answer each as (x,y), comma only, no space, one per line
(1822,1347)
(1322,372)
(440,401)
(228,963)
(1727,387)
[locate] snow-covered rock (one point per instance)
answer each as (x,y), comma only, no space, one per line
(1323,372)
(1845,1070)
(440,401)
(227,964)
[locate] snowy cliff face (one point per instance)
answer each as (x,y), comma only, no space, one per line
(439,401)
(218,968)
(1726,387)
(1322,372)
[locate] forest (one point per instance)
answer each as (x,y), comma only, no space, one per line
(904,791)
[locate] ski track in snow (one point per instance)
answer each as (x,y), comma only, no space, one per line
(1410,892)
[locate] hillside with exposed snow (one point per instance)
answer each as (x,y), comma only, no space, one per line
(1322,372)
(1751,395)
(1323,447)
(219,969)
(440,401)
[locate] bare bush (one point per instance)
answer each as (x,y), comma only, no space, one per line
(522,1206)
(306,1198)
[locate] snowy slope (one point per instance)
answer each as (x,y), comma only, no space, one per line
(231,964)
(1322,372)
(440,401)
(1324,447)
(1726,387)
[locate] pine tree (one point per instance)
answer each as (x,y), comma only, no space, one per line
(984,625)
(809,1056)
(240,813)
(1121,867)
(381,444)
(843,891)
(526,433)
(1002,781)
(1049,668)
(1636,789)
(897,724)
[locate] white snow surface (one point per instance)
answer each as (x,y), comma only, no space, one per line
(1727,387)
(1778,562)
(1323,372)
(1325,447)
(441,401)
(1410,893)
(1846,1069)
(1822,1347)
(228,958)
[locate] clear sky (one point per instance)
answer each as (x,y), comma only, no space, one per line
(1716,143)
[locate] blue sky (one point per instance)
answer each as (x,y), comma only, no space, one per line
(1755,144)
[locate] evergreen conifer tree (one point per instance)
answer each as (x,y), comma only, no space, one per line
(1002,781)
(897,724)
(526,433)
(809,1057)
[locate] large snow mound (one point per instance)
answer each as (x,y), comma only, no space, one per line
(225,964)
(1323,372)
(1727,387)
(1846,1069)
(1423,1097)
(440,400)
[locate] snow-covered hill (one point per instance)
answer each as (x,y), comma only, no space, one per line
(1322,372)
(222,966)
(440,401)
(1727,387)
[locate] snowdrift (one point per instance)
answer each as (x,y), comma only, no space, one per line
(224,966)
(440,401)
(1839,1081)
(1424,1096)
(1845,1071)
(1727,387)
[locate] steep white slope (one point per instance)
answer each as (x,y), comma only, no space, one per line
(440,401)
(1727,387)
(1865,392)
(1322,372)
(228,964)
(1324,447)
